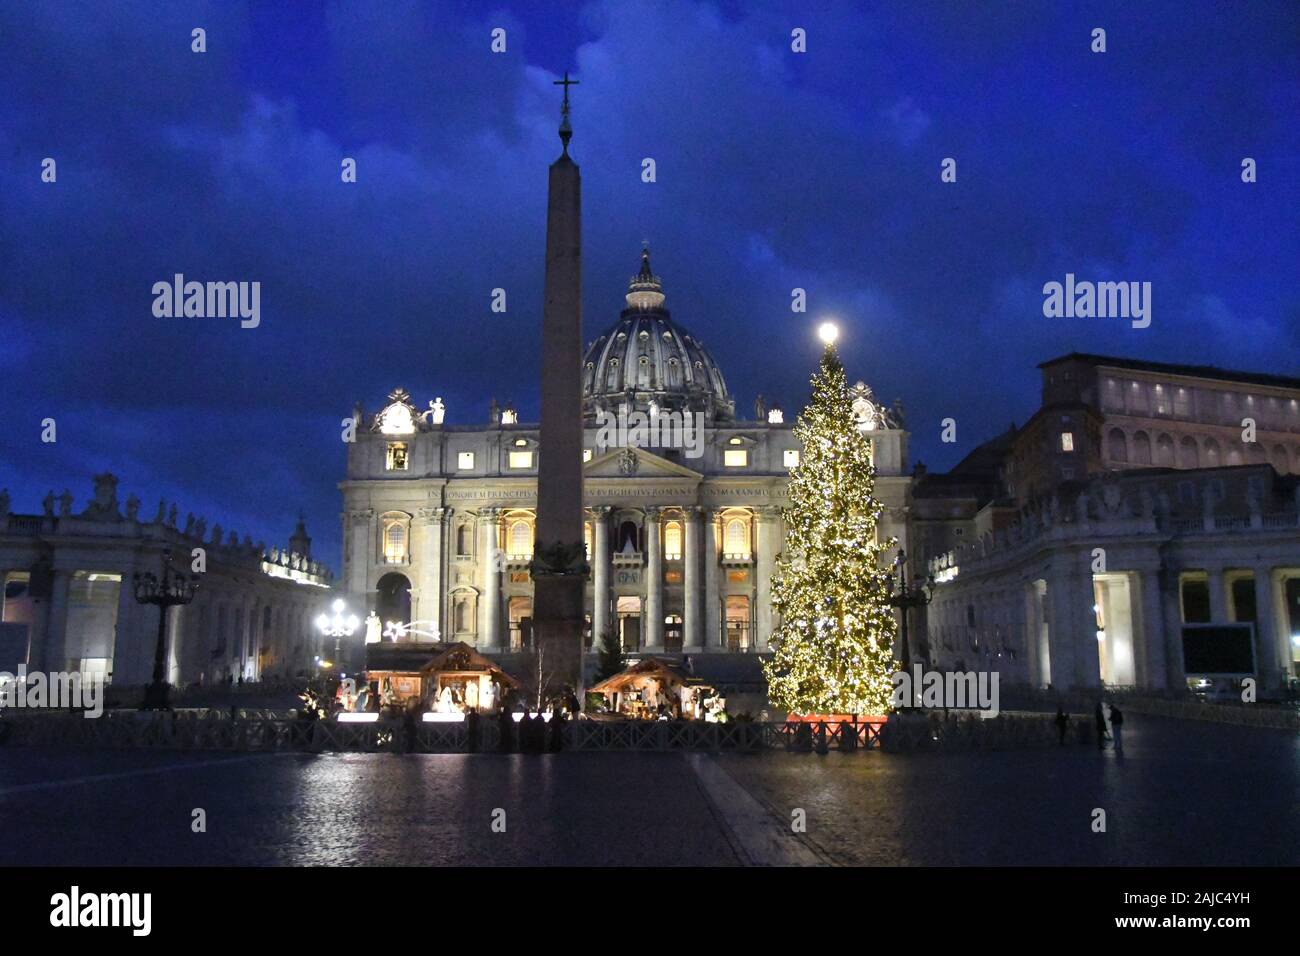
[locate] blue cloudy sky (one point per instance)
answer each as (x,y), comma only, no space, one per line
(776,170)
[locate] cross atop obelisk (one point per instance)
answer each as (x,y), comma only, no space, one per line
(566,131)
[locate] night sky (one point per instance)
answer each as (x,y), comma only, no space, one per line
(775,170)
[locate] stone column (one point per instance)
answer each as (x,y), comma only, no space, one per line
(1218,597)
(429,608)
(1171,602)
(1270,639)
(768,519)
(489,610)
(362,553)
(712,591)
(56,624)
(599,575)
(692,634)
(127,633)
(1154,670)
(654,603)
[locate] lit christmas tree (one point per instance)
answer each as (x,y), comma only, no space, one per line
(834,645)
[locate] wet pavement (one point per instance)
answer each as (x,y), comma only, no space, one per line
(1182,793)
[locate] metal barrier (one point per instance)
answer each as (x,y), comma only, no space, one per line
(253,733)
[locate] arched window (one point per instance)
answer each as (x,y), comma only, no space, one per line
(460,618)
(1141,449)
(395,540)
(1212,457)
(1165,451)
(736,539)
(1117,445)
(521,538)
(464,542)
(1188,454)
(673,540)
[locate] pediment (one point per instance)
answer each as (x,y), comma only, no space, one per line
(635,463)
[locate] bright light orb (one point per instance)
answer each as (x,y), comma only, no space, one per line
(828,332)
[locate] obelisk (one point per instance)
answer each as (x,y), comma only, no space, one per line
(559,565)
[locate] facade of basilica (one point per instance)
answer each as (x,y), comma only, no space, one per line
(682,503)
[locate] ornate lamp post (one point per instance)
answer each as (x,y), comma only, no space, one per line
(338,626)
(166,592)
(906,598)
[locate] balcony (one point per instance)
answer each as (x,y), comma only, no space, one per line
(628,559)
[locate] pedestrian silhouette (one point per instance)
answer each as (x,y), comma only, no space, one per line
(505,731)
(1117,727)
(1062,723)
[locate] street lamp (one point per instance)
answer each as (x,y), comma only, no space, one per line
(339,626)
(169,591)
(906,598)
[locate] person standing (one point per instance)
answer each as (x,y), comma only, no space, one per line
(1062,723)
(1117,727)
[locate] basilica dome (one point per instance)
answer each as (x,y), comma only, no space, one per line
(646,356)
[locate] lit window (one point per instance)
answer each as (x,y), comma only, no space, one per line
(735,457)
(1067,441)
(521,539)
(395,541)
(775,416)
(586,454)
(737,538)
(397,456)
(465,461)
(521,442)
(735,441)
(673,541)
(790,457)
(521,459)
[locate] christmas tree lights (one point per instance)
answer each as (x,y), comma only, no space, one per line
(831,587)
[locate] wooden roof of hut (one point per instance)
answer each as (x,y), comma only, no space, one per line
(461,657)
(659,669)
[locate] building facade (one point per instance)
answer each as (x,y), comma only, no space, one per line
(682,501)
(69,604)
(1142,529)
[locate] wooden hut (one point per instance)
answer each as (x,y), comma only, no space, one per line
(460,678)
(640,689)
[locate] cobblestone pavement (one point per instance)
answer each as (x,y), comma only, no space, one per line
(345,809)
(1182,793)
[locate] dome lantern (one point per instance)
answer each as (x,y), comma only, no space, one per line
(646,357)
(645,291)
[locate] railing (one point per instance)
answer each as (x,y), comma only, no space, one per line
(276,733)
(25,524)
(1283,520)
(1251,715)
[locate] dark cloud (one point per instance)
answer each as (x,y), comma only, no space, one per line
(775,171)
